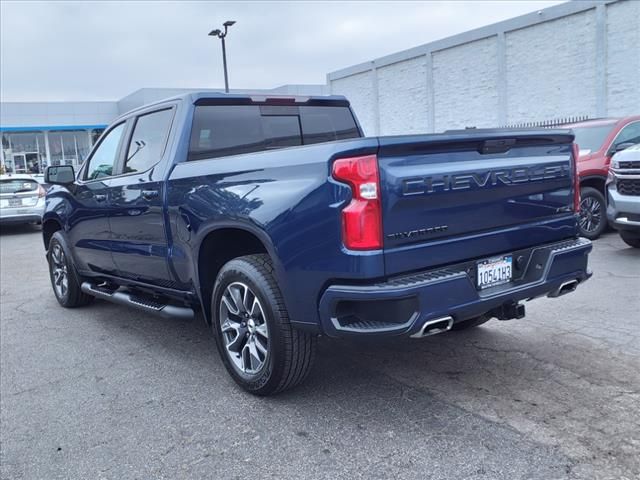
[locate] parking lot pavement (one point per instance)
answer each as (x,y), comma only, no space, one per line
(107,392)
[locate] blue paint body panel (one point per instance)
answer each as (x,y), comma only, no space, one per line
(445,200)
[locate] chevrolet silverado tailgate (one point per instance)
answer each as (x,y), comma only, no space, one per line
(469,194)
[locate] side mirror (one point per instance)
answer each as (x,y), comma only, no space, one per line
(60,175)
(619,147)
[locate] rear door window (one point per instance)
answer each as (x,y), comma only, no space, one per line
(148,141)
(223,130)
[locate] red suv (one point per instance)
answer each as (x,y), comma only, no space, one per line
(598,140)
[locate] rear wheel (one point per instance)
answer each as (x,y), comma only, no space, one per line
(630,238)
(592,219)
(63,279)
(472,322)
(259,348)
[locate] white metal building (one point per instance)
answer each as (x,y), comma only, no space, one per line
(577,59)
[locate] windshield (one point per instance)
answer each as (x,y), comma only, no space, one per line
(18,185)
(591,138)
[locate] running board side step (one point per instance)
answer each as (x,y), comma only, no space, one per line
(131,300)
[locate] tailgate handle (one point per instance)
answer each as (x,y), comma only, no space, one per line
(497,146)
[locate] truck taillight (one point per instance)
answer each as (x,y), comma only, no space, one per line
(362,218)
(576,179)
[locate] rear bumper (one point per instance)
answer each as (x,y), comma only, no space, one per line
(401,305)
(23,214)
(26,215)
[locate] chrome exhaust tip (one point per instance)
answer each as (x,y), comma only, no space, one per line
(433,327)
(566,287)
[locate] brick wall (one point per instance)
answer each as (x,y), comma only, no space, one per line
(465,85)
(574,59)
(402,90)
(623,58)
(551,69)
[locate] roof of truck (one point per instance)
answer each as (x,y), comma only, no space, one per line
(247,98)
(261,97)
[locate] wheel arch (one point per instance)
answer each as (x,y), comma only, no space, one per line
(594,181)
(222,243)
(49,227)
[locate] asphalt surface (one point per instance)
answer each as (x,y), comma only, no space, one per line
(107,392)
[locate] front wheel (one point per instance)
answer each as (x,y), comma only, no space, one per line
(592,219)
(63,279)
(631,239)
(260,349)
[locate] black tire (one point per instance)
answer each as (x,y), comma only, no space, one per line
(288,353)
(592,221)
(61,265)
(470,323)
(630,238)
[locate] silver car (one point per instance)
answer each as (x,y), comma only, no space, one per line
(21,199)
(623,195)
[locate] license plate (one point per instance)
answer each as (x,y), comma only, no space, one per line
(494,271)
(15,202)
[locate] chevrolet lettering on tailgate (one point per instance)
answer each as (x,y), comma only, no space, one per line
(489,178)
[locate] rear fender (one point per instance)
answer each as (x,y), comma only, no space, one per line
(248,227)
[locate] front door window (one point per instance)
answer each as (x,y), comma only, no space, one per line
(103,159)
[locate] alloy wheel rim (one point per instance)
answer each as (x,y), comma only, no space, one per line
(590,214)
(244,328)
(59,271)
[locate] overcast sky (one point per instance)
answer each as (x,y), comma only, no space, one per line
(106,50)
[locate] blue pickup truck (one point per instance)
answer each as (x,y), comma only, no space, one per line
(277,221)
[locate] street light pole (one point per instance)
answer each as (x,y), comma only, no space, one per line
(221,35)
(224,65)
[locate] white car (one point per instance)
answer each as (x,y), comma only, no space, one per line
(21,199)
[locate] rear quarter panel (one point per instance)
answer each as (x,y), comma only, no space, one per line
(287,199)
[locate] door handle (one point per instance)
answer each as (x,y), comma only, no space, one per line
(149,194)
(100,197)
